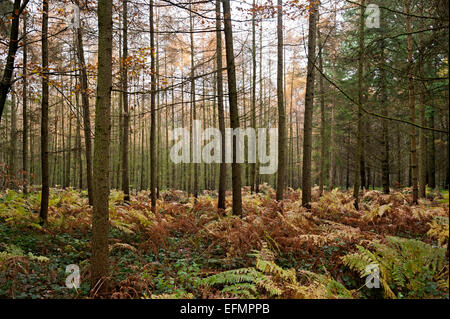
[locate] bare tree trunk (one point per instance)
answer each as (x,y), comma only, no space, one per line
(291,132)
(193,105)
(86,115)
(244,122)
(362,166)
(44,117)
(69,156)
(322,116)
(422,139)
(143,151)
(54,153)
(24,107)
(261,105)
(62,169)
(31,162)
(357,181)
(126,116)
(166,122)
(385,124)
(100,215)
(69,162)
(399,162)
(78,160)
(205,165)
(253,165)
(281,112)
(412,108)
(332,171)
(174,167)
(133,161)
(13,137)
(432,153)
(347,171)
(309,104)
(223,165)
(234,115)
(120,125)
(5,84)
(184,180)
(153,167)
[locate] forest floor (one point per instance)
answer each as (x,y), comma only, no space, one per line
(187,249)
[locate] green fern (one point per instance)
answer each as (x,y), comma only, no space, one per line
(408,267)
(239,282)
(323,286)
(14,252)
(267,277)
(246,290)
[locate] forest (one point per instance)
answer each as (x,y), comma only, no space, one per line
(216,149)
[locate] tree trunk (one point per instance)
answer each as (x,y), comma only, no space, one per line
(78,143)
(223,165)
(13,138)
(322,116)
(385,124)
(5,84)
(291,132)
(422,139)
(360,101)
(44,117)
(100,215)
(432,153)
(332,171)
(253,165)
(126,117)
(153,167)
(234,115)
(281,112)
(62,168)
(261,104)
(143,151)
(193,104)
(86,115)
(411,103)
(309,104)
(24,107)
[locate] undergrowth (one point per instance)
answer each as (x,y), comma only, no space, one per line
(189,249)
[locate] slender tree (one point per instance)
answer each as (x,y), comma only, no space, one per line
(333,104)
(153,167)
(193,102)
(100,215)
(86,114)
(24,105)
(281,112)
(385,124)
(411,104)
(5,84)
(44,116)
(422,134)
(253,105)
(309,104)
(126,116)
(219,83)
(357,163)
(322,116)
(234,115)
(13,136)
